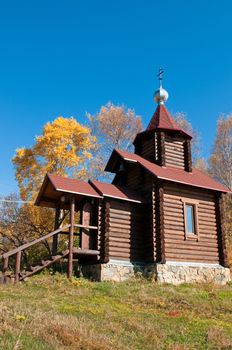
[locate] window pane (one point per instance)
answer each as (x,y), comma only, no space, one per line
(190,218)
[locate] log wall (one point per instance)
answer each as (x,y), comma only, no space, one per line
(127,234)
(174,153)
(147,149)
(200,248)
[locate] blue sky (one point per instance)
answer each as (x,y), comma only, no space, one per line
(71,57)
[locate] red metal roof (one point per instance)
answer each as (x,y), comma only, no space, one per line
(65,184)
(195,178)
(163,120)
(115,191)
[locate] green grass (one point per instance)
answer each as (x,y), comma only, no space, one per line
(50,312)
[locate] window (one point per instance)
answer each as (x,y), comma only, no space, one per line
(189,218)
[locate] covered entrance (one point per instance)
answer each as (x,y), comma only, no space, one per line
(77,204)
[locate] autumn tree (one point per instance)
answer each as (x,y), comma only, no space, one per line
(64,146)
(220,167)
(22,223)
(220,162)
(114,127)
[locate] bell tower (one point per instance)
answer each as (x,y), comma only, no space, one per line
(163,142)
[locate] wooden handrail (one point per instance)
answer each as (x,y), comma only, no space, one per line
(29,244)
(88,227)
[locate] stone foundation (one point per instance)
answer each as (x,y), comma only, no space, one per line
(176,273)
(171,272)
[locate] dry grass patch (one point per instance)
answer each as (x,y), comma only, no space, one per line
(50,313)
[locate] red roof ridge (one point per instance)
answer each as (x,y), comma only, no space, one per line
(116,191)
(195,178)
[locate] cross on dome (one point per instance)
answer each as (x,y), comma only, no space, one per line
(160,95)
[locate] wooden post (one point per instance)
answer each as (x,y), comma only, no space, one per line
(160,222)
(17,266)
(188,156)
(5,265)
(71,236)
(220,217)
(55,237)
(161,148)
(107,233)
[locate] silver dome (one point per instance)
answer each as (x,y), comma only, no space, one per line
(160,96)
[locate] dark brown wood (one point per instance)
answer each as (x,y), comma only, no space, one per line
(188,155)
(161,148)
(71,237)
(56,226)
(79,252)
(38,240)
(17,266)
(177,243)
(106,253)
(174,152)
(159,212)
(43,265)
(220,229)
(5,265)
(88,237)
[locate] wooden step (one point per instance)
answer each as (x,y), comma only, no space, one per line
(43,264)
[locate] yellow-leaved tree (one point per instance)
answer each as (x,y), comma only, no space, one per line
(64,146)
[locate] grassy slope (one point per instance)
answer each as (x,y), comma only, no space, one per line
(49,312)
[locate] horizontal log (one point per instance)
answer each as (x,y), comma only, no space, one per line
(173,220)
(119,225)
(208,226)
(192,259)
(198,252)
(176,242)
(119,221)
(180,191)
(187,256)
(126,247)
(170,154)
(206,205)
(203,250)
(171,213)
(174,156)
(137,240)
(204,221)
(173,203)
(181,236)
(173,226)
(120,230)
(125,252)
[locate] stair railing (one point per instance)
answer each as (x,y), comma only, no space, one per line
(18,251)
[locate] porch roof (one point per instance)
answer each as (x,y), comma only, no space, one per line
(54,187)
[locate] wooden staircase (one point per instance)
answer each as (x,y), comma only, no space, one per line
(21,274)
(44,263)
